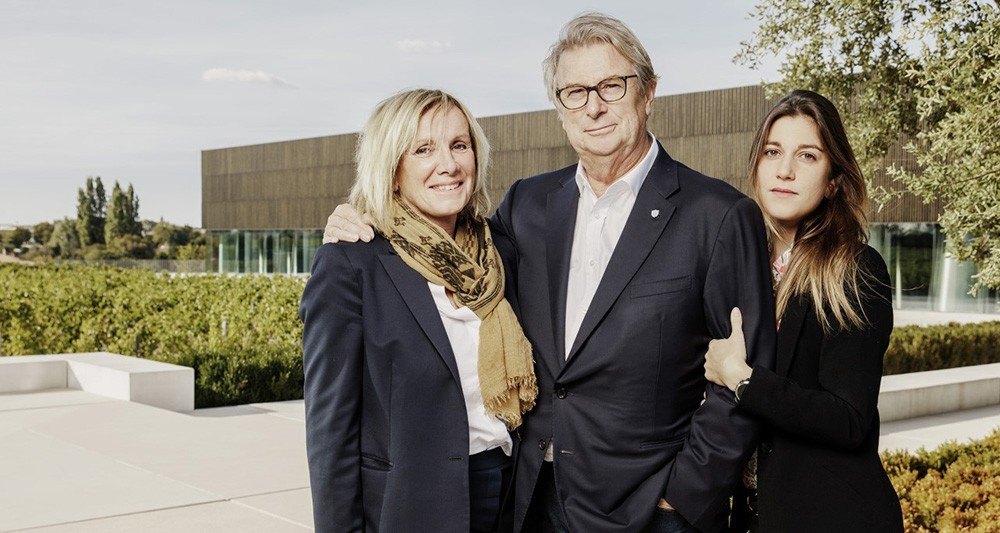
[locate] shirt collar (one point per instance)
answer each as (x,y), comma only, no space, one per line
(634,178)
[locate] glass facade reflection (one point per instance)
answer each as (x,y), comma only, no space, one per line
(924,276)
(264,252)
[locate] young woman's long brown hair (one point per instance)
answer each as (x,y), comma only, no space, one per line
(824,262)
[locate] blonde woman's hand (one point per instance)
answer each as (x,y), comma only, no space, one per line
(725,361)
(345,224)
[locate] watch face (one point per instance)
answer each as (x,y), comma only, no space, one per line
(740,387)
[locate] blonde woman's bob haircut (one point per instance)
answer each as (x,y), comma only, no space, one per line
(591,28)
(387,136)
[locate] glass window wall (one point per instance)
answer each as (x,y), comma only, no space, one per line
(265,252)
(924,276)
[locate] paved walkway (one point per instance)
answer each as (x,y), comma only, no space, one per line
(75,461)
(934,318)
(72,461)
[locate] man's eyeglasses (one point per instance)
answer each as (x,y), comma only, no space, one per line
(610,90)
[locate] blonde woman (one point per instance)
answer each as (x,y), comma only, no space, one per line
(415,365)
(817,467)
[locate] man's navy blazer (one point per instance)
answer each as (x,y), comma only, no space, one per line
(387,433)
(625,410)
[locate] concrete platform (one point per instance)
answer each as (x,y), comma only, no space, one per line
(932,431)
(77,461)
(918,394)
(909,317)
(72,460)
(116,376)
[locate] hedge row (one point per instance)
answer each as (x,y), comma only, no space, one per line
(919,348)
(955,487)
(242,335)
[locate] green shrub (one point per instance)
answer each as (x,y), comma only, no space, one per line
(954,487)
(241,334)
(225,379)
(919,348)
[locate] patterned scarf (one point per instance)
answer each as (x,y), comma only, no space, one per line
(470,267)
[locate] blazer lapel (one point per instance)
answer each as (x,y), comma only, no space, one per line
(413,288)
(788,334)
(641,232)
(560,218)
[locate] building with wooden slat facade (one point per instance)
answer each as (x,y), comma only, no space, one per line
(265,205)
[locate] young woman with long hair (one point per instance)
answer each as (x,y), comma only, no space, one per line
(817,467)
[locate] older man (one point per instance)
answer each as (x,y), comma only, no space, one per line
(628,264)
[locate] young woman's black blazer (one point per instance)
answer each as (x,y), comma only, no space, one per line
(819,468)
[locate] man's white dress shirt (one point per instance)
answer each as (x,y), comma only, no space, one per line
(599,225)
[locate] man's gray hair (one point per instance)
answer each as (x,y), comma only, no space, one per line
(590,28)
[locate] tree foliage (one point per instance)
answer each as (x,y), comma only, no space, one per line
(42,232)
(123,215)
(65,240)
(15,238)
(90,212)
(926,72)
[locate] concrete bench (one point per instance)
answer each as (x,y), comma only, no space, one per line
(934,392)
(116,376)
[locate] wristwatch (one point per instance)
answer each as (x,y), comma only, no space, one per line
(740,387)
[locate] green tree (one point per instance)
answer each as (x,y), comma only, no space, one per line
(129,246)
(134,225)
(169,238)
(42,232)
(64,241)
(191,251)
(16,237)
(925,72)
(116,223)
(90,212)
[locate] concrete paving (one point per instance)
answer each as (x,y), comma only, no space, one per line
(72,461)
(911,317)
(76,461)
(932,431)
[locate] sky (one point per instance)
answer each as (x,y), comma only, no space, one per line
(133,91)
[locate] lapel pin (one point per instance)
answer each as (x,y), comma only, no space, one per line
(654,213)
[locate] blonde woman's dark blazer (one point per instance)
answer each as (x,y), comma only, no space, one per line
(387,432)
(819,468)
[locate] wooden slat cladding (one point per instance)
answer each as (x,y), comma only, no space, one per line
(295,184)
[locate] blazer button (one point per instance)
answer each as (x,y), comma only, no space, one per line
(543,444)
(561,393)
(766,448)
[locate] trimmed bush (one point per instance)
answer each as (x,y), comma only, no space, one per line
(241,334)
(955,487)
(919,348)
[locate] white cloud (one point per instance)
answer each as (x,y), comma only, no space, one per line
(244,76)
(418,45)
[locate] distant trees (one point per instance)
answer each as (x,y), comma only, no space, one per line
(42,232)
(65,241)
(122,215)
(178,242)
(105,228)
(13,239)
(90,212)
